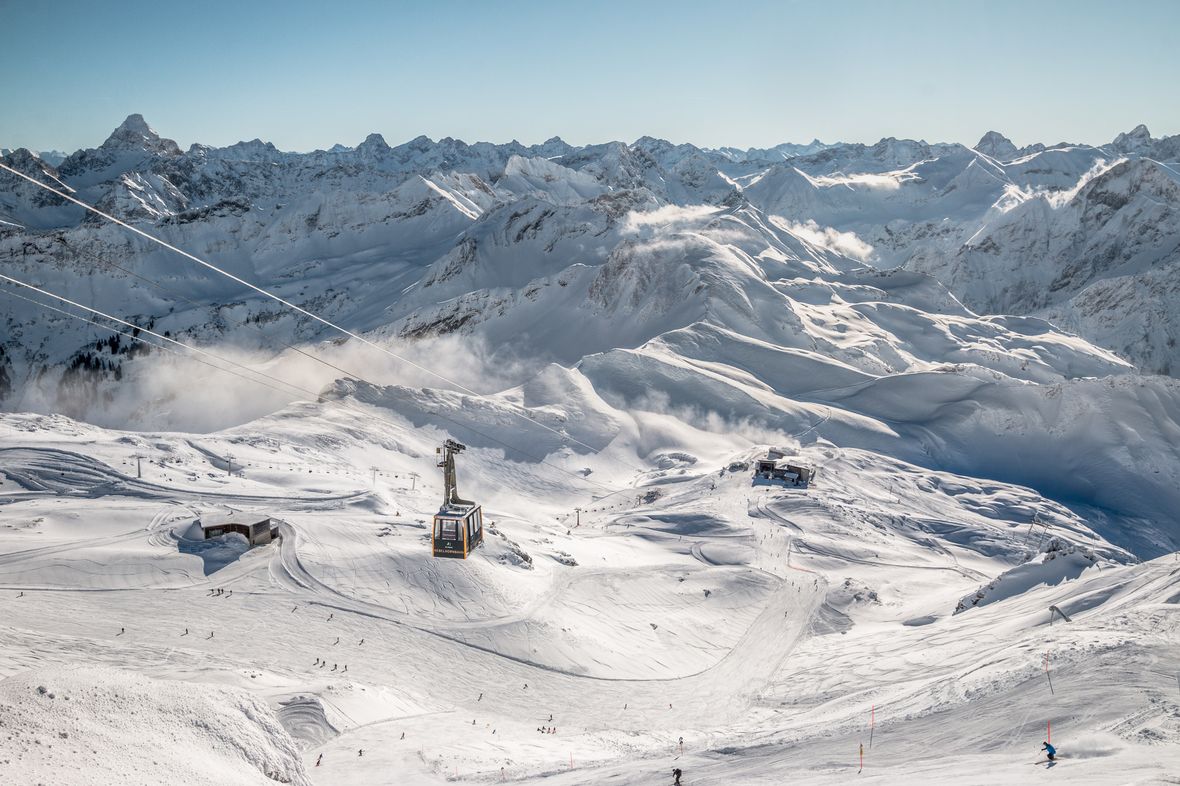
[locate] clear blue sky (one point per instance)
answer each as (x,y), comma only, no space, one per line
(307,75)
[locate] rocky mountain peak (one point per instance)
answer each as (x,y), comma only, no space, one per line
(135,134)
(374,143)
(1136,139)
(24,160)
(995,145)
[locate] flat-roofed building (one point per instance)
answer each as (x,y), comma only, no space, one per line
(252,526)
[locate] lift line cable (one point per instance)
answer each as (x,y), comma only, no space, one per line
(134,337)
(282,301)
(194,303)
(154,345)
(341,402)
(160,336)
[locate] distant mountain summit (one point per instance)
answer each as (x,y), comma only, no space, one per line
(1137,140)
(134,134)
(995,145)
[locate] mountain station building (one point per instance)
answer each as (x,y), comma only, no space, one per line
(254,527)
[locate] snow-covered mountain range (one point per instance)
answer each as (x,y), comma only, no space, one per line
(836,281)
(1084,236)
(973,346)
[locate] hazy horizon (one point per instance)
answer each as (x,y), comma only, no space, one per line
(304,79)
(530,141)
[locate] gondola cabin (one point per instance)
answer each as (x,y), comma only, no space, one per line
(457,530)
(458,525)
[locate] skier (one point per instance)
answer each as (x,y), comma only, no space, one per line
(122,631)
(186,631)
(480,697)
(336,642)
(1050,751)
(676,775)
(319,759)
(360,752)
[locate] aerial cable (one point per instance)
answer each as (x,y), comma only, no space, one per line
(278,299)
(195,304)
(134,337)
(347,403)
(154,345)
(160,336)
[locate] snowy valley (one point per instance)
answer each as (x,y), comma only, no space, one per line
(973,348)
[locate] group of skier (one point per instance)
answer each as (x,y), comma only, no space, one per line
(323,663)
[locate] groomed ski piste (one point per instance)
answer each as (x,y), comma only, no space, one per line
(775,629)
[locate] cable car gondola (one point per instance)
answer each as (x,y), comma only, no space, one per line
(458,525)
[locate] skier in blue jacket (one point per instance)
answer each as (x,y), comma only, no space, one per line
(1050,751)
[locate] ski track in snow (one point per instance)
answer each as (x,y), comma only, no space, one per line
(784,697)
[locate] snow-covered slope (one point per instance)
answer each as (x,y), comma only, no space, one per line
(749,306)
(741,630)
(1100,260)
(103,723)
(620,330)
